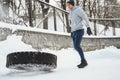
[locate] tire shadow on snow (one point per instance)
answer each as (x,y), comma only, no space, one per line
(26,73)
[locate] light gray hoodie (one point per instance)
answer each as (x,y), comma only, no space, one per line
(77,16)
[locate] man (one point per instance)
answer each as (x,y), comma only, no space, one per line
(77,15)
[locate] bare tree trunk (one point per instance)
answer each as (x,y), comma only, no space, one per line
(90,10)
(77,2)
(34,12)
(98,8)
(45,12)
(6,4)
(84,2)
(63,4)
(94,8)
(30,13)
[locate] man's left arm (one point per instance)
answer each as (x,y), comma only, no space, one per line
(84,17)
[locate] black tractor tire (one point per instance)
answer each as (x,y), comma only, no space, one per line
(31,61)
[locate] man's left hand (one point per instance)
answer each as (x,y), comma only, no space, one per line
(89,32)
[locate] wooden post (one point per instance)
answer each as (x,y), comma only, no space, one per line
(114,31)
(54,14)
(95,28)
(67,23)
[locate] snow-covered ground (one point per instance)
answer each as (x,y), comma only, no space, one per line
(104,64)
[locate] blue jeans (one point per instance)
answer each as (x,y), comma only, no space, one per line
(77,38)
